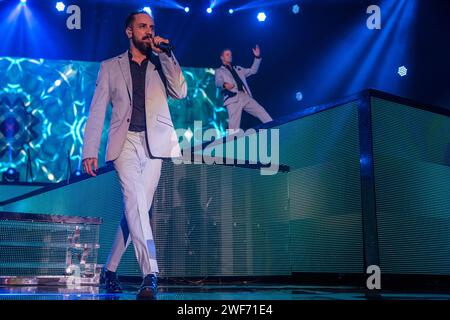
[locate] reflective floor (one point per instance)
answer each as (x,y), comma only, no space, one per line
(215,292)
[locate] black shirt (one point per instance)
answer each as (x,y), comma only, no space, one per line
(240,84)
(138,73)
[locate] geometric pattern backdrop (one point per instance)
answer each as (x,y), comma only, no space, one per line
(44,106)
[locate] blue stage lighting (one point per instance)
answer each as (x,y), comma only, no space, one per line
(11,175)
(148,10)
(230,11)
(60,6)
(299,96)
(23,2)
(186,9)
(295,8)
(209,10)
(261,17)
(402,71)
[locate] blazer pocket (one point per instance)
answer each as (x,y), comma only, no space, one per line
(164,120)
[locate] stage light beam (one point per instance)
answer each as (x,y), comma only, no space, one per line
(231,11)
(186,9)
(209,10)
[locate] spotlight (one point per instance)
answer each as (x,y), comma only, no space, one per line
(209,10)
(261,17)
(186,9)
(11,175)
(23,1)
(402,71)
(76,173)
(299,96)
(295,9)
(230,11)
(147,9)
(60,6)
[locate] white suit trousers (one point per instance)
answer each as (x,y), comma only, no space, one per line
(245,103)
(138,176)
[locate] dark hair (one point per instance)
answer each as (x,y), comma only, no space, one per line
(130,19)
(226,49)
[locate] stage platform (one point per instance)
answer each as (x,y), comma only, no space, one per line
(237,292)
(365,182)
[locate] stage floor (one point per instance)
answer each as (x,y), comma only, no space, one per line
(215,292)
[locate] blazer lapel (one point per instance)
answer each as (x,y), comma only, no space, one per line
(149,73)
(125,68)
(242,78)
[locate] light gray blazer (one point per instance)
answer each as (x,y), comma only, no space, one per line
(224,75)
(114,85)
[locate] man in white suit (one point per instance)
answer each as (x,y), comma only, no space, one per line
(237,96)
(141,134)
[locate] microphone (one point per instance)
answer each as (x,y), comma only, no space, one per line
(166,47)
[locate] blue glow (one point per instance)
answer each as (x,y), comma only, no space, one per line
(60,6)
(261,4)
(364,160)
(209,10)
(230,11)
(186,9)
(299,96)
(23,1)
(11,171)
(261,17)
(378,45)
(148,10)
(295,9)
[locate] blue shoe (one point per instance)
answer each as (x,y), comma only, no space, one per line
(149,288)
(110,281)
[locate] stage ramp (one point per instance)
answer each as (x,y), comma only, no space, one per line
(365,182)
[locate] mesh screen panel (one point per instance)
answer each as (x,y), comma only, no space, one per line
(412,180)
(230,221)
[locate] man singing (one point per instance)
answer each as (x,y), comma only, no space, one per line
(141,134)
(236,93)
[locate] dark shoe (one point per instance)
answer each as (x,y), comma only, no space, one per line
(149,288)
(110,281)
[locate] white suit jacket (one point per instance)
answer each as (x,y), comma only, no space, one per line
(224,75)
(114,85)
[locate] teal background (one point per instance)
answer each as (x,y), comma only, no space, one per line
(48,101)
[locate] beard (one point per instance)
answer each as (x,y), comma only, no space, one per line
(143,46)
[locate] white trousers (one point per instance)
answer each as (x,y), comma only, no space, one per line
(138,176)
(248,104)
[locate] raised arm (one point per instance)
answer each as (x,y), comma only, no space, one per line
(256,62)
(176,83)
